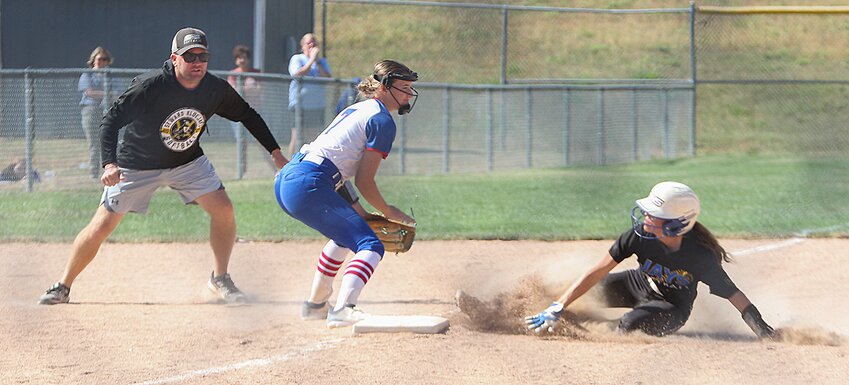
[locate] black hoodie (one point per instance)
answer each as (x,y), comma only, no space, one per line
(164,121)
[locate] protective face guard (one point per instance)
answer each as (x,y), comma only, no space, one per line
(406,108)
(638,221)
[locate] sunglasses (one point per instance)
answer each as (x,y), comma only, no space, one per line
(193,57)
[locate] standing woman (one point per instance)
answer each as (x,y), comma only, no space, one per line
(674,253)
(92,107)
(352,146)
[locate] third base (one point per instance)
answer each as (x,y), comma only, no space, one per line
(400,324)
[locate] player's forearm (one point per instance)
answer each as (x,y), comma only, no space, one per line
(740,301)
(592,277)
(368,189)
(579,288)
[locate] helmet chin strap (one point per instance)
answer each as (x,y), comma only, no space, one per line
(404,109)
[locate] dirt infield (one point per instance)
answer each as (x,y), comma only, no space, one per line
(139,314)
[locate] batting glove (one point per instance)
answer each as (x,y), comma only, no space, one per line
(546,319)
(756,322)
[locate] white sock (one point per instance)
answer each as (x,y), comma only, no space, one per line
(332,257)
(357,274)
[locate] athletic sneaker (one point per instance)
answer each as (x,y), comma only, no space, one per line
(58,293)
(311,310)
(224,288)
(346,316)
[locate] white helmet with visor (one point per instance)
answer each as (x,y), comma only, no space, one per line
(675,203)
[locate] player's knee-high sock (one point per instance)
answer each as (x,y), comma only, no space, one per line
(356,276)
(332,257)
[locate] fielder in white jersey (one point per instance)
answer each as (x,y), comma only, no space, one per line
(365,126)
(351,147)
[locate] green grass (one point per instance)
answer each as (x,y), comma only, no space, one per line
(747,196)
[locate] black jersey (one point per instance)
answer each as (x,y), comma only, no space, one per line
(675,274)
(163,120)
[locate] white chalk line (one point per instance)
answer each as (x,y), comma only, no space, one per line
(321,345)
(807,232)
(799,238)
(768,247)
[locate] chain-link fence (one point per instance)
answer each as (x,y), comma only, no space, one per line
(454,128)
(761,88)
(770,80)
(773,81)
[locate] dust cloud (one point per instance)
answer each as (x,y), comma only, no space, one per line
(585,320)
(505,313)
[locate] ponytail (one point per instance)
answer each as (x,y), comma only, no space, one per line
(704,237)
(368,87)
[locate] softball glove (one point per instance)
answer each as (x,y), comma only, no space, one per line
(396,237)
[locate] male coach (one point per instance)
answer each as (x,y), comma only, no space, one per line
(163,114)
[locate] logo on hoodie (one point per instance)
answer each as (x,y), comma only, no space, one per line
(182,128)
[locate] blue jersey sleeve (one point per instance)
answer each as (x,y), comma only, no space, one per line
(380,133)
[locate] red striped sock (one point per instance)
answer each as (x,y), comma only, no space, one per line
(357,274)
(360,268)
(328,266)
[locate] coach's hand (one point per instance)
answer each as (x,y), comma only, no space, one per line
(546,319)
(111,175)
(279,159)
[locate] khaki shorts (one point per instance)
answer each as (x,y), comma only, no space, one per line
(133,192)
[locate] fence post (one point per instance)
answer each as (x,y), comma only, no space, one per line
(107,92)
(402,139)
(299,114)
(324,28)
(600,126)
(504,45)
(693,74)
(529,132)
(566,106)
(489,124)
(29,126)
(446,123)
(635,125)
(665,103)
(503,112)
(241,154)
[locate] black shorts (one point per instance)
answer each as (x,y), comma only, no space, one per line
(651,313)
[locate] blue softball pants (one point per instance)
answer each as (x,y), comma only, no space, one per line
(307,192)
